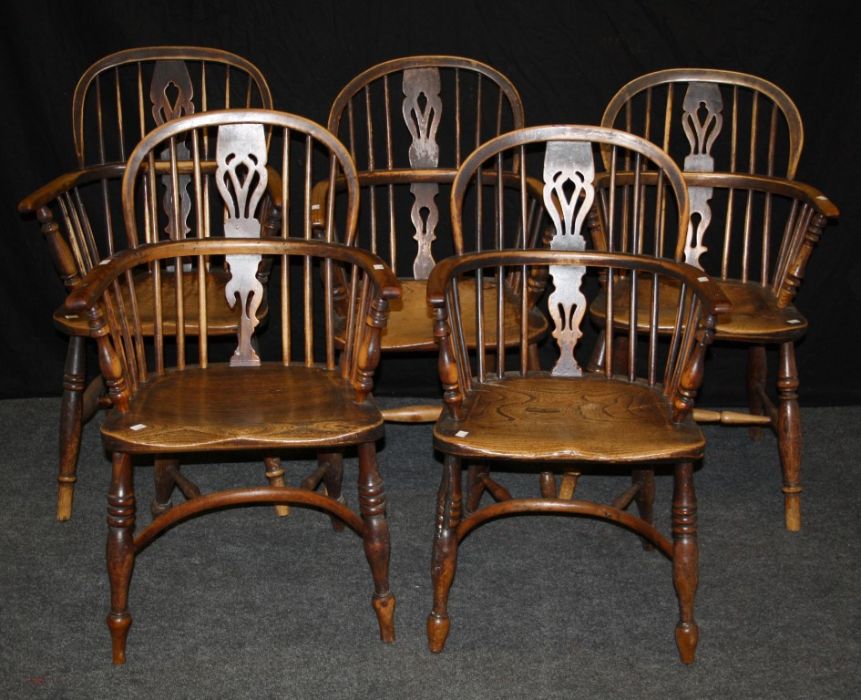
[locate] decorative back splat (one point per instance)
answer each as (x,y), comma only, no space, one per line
(701,134)
(171,78)
(422,110)
(241,179)
(569,171)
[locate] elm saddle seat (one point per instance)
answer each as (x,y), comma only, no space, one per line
(411,318)
(755,313)
(552,418)
(271,404)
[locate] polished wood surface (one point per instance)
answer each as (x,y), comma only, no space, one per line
(738,138)
(629,414)
(545,418)
(270,405)
(116,102)
(411,319)
(755,314)
(173,403)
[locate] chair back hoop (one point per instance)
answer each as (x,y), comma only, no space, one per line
(124,95)
(408,123)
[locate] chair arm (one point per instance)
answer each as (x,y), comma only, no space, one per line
(60,185)
(97,280)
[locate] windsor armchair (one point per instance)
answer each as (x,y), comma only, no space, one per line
(408,124)
(176,397)
(117,101)
(634,416)
(739,140)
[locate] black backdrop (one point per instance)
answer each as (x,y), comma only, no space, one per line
(566,58)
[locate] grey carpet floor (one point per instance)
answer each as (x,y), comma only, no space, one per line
(243,604)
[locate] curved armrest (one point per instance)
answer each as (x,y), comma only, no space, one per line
(762,183)
(97,280)
(714,300)
(62,184)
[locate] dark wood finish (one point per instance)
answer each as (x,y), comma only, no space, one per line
(567,416)
(117,101)
(409,124)
(739,139)
(306,397)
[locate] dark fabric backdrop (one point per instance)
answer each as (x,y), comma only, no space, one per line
(566,58)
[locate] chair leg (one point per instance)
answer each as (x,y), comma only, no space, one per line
(645,497)
(685,559)
(120,551)
(372,505)
(789,435)
(332,481)
(275,475)
(756,373)
(444,561)
(71,424)
(164,484)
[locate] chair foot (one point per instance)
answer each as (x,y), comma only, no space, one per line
(384,607)
(156,508)
(792,510)
(437,626)
(65,497)
(687,636)
(119,624)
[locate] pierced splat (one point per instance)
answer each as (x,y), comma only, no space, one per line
(569,173)
(702,121)
(241,179)
(422,110)
(171,93)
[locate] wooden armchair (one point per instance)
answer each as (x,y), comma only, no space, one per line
(557,420)
(753,228)
(117,101)
(174,399)
(408,124)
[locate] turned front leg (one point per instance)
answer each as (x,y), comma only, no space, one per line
(685,559)
(372,505)
(444,559)
(120,551)
(789,435)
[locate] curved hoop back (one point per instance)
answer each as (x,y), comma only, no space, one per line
(568,181)
(726,121)
(409,123)
(124,95)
